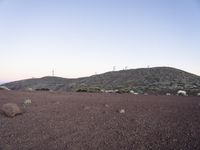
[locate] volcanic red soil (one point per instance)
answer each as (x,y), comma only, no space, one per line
(86,121)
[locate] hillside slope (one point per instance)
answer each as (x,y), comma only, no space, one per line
(152,80)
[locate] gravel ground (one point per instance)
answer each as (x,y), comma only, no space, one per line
(86,121)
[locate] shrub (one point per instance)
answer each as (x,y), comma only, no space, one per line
(42,89)
(82,90)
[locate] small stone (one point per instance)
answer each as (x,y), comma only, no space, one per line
(57,103)
(27,101)
(121,111)
(106,105)
(11,109)
(86,108)
(30,89)
(175,140)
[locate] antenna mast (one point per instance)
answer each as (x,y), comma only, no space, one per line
(114,68)
(53,72)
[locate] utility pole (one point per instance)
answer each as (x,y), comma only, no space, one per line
(53,72)
(114,68)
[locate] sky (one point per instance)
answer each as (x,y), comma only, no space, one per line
(79,38)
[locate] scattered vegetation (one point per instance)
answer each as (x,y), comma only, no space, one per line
(82,90)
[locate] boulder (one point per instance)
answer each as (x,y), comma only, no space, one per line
(11,109)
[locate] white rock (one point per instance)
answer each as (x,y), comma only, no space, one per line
(27,101)
(106,105)
(102,90)
(122,111)
(182,93)
(110,91)
(168,94)
(133,92)
(30,89)
(4,88)
(198,94)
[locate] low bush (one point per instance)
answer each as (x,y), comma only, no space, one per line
(42,89)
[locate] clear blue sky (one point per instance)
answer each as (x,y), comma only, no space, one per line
(80,37)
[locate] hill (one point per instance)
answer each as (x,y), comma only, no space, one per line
(157,80)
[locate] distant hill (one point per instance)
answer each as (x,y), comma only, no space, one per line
(157,80)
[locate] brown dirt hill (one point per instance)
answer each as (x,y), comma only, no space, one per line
(92,121)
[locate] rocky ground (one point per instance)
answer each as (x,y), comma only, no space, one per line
(101,121)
